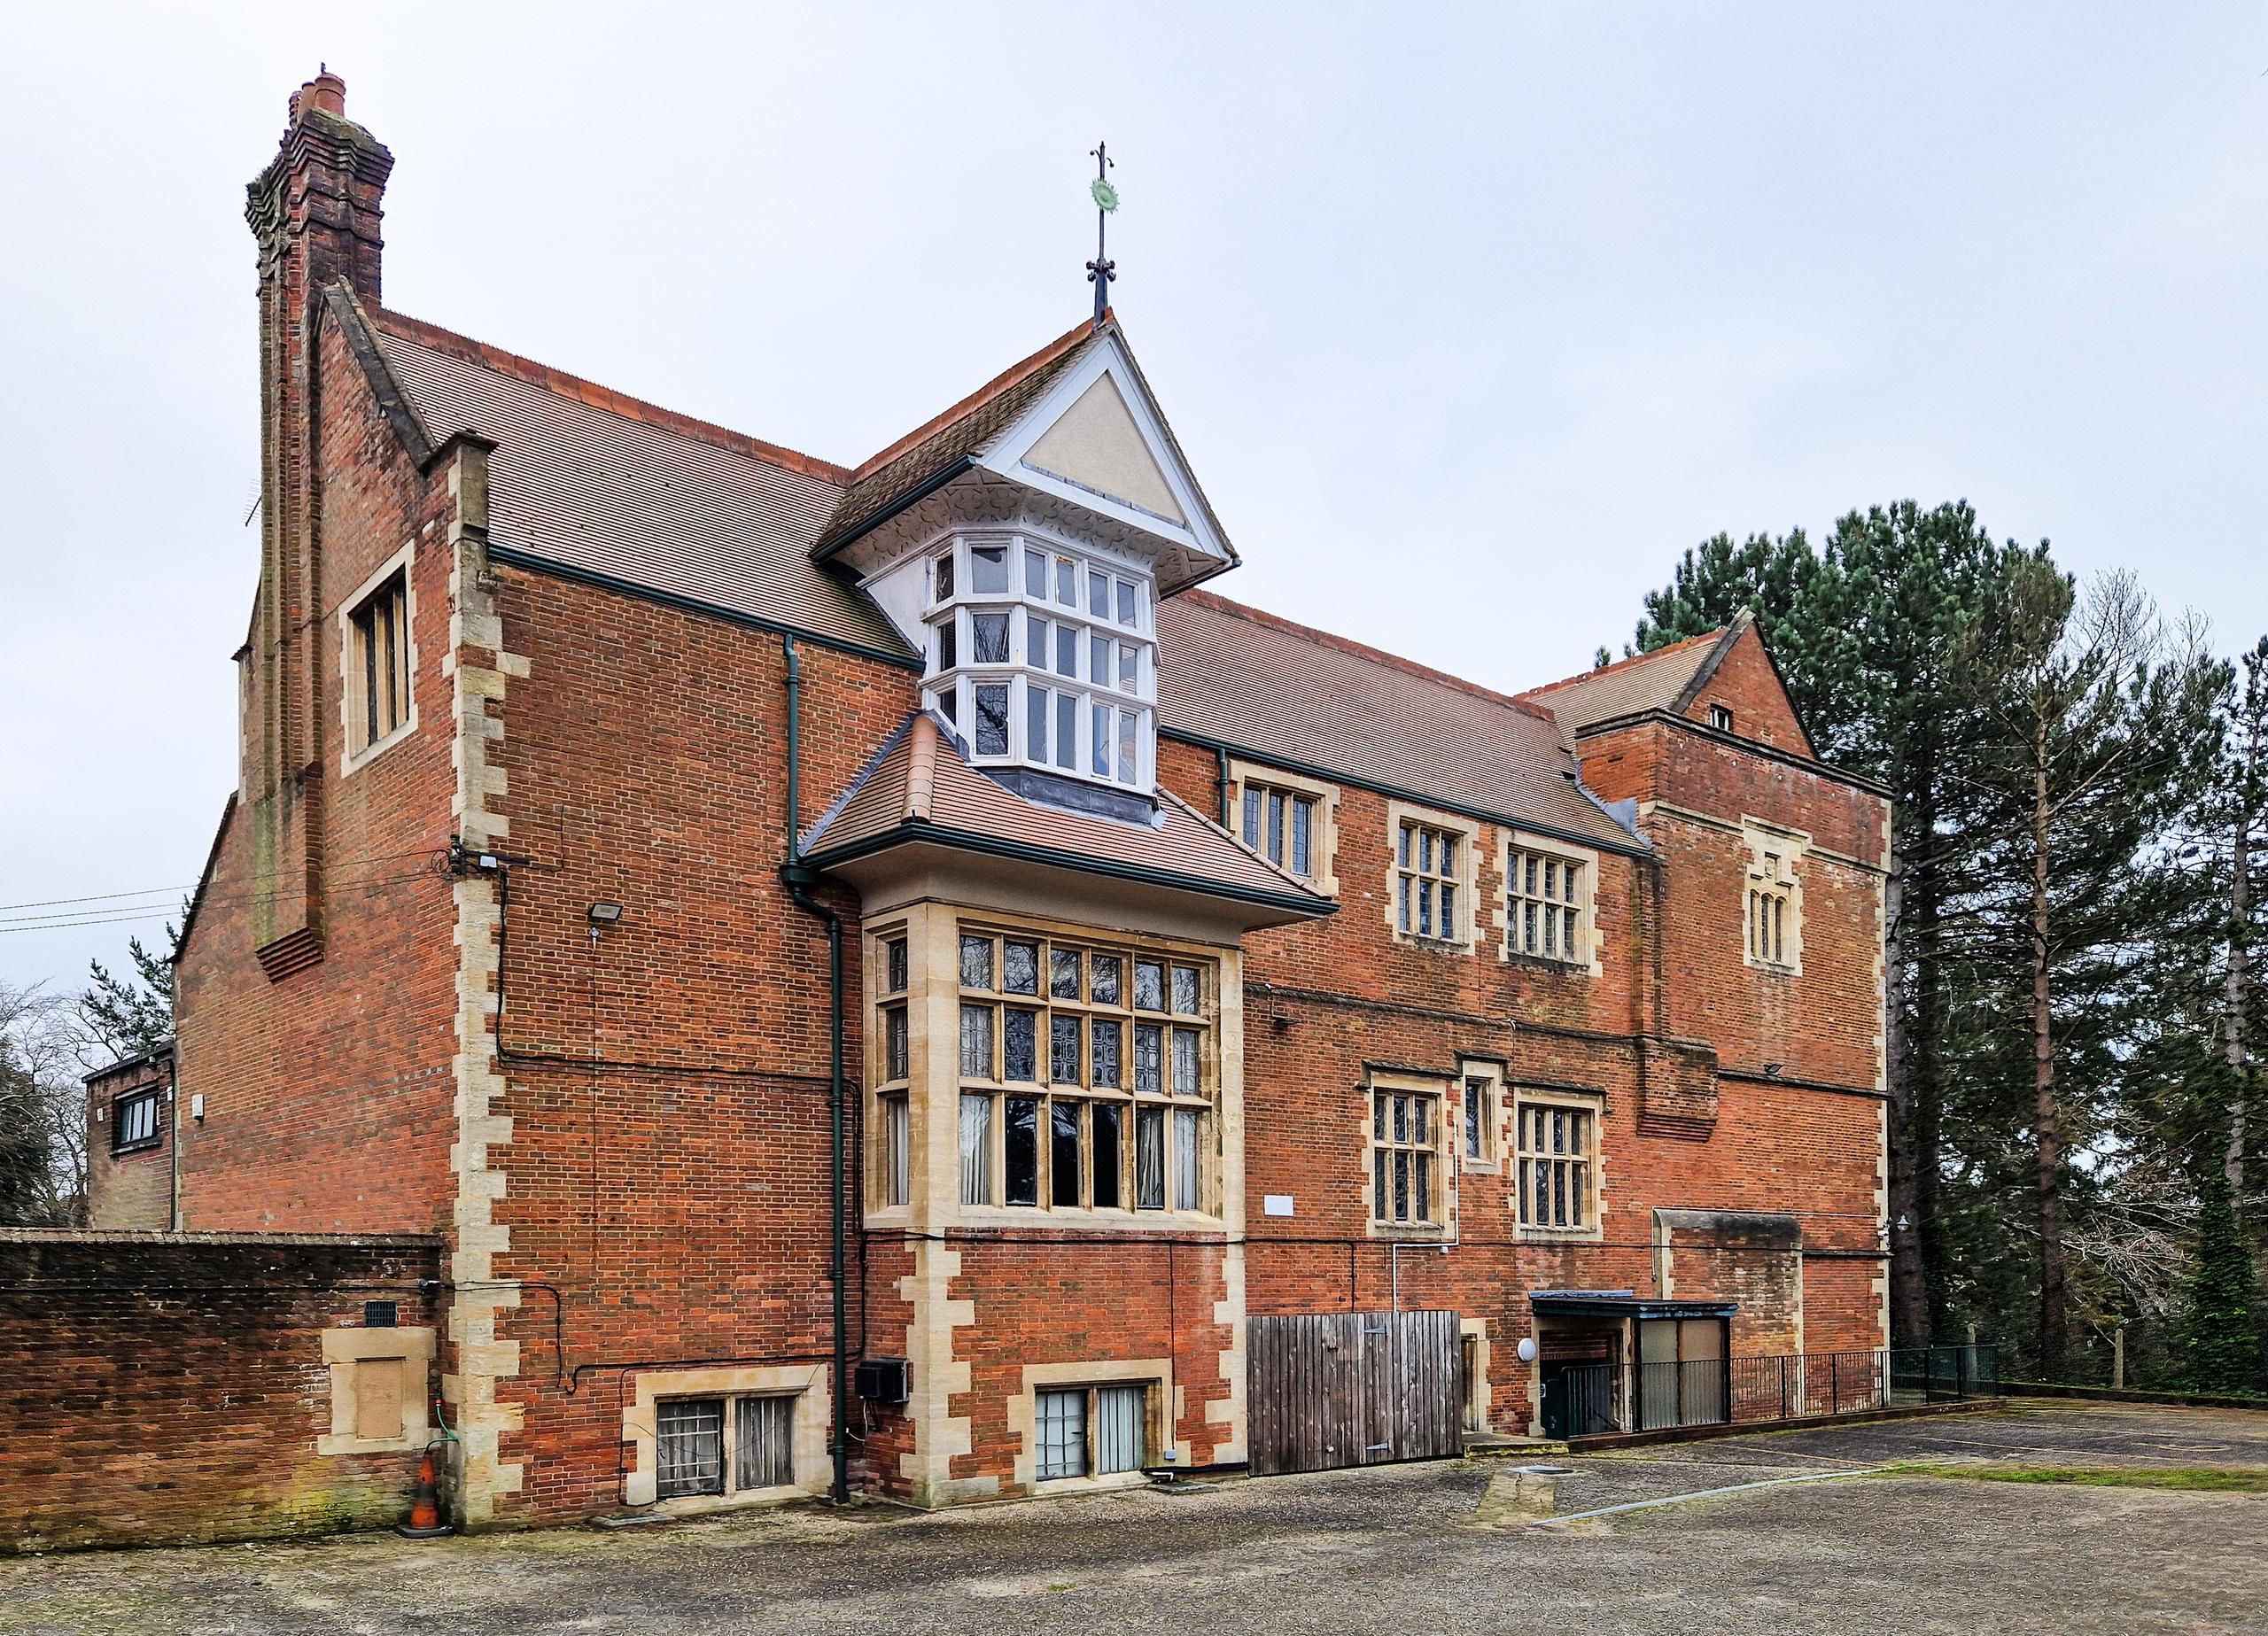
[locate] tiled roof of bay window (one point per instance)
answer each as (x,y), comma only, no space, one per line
(919,787)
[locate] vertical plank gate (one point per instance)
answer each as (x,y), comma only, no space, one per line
(1327,1390)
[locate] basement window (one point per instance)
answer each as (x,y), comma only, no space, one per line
(1091,1431)
(713,1445)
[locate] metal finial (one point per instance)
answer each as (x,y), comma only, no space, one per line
(1101,269)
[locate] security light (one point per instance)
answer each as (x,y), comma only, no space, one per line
(605,914)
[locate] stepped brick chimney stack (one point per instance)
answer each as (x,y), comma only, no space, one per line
(315,213)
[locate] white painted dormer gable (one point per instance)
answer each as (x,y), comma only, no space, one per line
(1027,566)
(1095,439)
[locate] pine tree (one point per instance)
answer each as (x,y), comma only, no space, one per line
(2093,732)
(2218,1331)
(131,1017)
(1864,632)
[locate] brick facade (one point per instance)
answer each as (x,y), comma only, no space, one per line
(167,1387)
(620,1125)
(130,1175)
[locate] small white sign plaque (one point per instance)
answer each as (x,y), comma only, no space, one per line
(1277,1203)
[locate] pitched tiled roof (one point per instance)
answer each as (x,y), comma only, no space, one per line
(1664,679)
(1231,675)
(919,786)
(596,481)
(930,450)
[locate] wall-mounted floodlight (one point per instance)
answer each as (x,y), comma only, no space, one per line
(603,915)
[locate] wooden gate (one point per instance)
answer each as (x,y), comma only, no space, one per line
(1351,1389)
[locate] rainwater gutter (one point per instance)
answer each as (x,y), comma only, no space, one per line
(799,878)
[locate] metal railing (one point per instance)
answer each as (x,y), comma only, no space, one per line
(1601,1397)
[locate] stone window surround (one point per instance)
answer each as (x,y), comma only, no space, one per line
(347,1351)
(1444,1092)
(400,562)
(1323,844)
(1467,878)
(1761,837)
(1164,1412)
(1518,1096)
(1494,1118)
(1511,841)
(806,1383)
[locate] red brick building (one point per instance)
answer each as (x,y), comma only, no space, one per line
(647,836)
(129,1144)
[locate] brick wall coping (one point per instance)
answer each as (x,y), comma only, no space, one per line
(99,1235)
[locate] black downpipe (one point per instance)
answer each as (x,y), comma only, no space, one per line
(1221,783)
(798,880)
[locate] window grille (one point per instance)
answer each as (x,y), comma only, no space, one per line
(1061,1421)
(689,1446)
(1081,1430)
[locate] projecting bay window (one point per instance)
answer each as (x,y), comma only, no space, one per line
(893,1070)
(1045,658)
(1087,1077)
(1555,1142)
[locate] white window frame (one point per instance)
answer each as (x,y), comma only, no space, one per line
(1466,876)
(355,751)
(1521,1154)
(1132,709)
(1323,841)
(1513,847)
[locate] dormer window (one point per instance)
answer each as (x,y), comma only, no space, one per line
(1044,655)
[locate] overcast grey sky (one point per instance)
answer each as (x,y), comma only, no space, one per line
(1470,319)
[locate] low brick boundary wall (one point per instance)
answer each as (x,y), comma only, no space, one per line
(172,1387)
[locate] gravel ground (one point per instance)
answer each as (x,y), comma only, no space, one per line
(1389,1548)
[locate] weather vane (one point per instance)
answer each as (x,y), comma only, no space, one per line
(1105,198)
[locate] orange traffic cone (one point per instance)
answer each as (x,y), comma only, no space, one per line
(425,1509)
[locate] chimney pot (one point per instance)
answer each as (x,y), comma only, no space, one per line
(326,91)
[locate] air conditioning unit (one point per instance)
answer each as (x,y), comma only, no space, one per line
(883,1380)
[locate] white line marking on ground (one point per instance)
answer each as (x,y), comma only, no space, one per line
(1704,1494)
